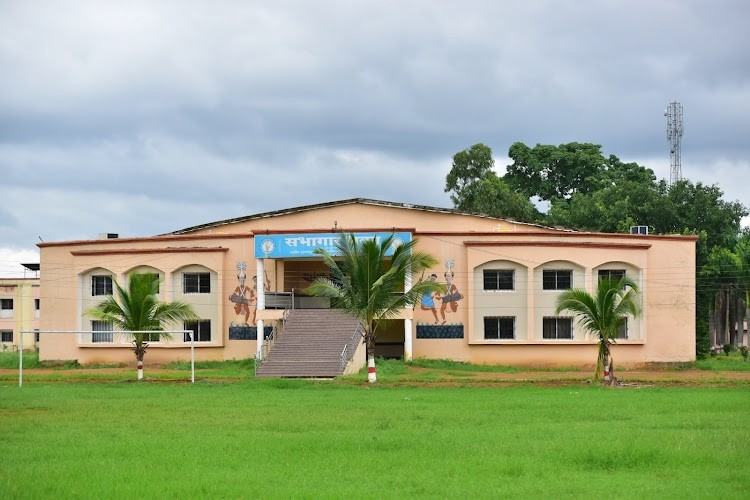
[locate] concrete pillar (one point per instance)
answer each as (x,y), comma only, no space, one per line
(260,302)
(408,350)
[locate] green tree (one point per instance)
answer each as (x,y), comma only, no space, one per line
(492,196)
(550,172)
(370,286)
(698,207)
(470,167)
(138,313)
(623,195)
(602,313)
(722,277)
(612,209)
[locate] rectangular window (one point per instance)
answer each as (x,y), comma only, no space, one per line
(499,327)
(622,330)
(557,328)
(151,337)
(101,285)
(36,335)
(37,303)
(101,331)
(557,279)
(6,308)
(6,336)
(498,279)
(155,278)
(611,274)
(196,283)
(201,329)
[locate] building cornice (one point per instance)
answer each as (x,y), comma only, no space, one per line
(125,251)
(147,239)
(559,244)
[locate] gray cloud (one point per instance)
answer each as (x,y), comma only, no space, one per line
(112,112)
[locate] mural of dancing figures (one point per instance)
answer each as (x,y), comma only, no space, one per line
(452,295)
(242,295)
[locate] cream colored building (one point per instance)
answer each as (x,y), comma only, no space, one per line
(19,312)
(503,279)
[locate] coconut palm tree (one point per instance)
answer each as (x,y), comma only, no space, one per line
(602,313)
(138,313)
(370,286)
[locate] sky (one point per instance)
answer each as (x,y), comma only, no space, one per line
(145,117)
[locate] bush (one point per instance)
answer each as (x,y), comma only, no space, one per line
(727,348)
(743,351)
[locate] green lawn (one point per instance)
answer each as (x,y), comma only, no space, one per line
(289,438)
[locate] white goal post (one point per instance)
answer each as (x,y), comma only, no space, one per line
(191,332)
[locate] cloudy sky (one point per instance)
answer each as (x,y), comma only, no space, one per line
(144,117)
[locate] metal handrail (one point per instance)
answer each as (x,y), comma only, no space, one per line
(266,345)
(345,358)
(265,348)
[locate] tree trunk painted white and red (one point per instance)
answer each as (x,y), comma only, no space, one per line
(370,346)
(371,375)
(140,352)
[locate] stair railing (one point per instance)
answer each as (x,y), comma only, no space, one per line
(345,356)
(265,347)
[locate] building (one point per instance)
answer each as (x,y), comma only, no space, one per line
(503,278)
(19,312)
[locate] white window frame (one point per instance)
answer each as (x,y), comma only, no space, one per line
(98,326)
(557,285)
(609,273)
(187,325)
(108,286)
(513,333)
(5,311)
(198,292)
(498,271)
(622,331)
(557,333)
(147,338)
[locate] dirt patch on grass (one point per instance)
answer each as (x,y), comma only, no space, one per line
(413,376)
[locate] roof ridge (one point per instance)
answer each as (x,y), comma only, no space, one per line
(336,203)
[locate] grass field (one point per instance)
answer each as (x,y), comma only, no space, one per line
(290,438)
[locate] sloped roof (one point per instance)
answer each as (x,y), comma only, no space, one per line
(338,203)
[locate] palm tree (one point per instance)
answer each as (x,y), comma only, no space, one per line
(138,313)
(370,286)
(603,313)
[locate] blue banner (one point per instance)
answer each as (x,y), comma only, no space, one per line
(297,245)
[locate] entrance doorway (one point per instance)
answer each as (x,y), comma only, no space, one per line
(300,274)
(390,341)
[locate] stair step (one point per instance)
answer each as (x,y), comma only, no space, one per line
(310,344)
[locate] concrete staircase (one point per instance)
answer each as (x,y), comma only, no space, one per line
(310,344)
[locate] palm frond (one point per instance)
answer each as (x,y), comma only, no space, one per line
(603,312)
(368,283)
(136,308)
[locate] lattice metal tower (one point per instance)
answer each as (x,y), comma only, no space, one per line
(674,136)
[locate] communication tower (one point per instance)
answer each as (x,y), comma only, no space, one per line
(674,136)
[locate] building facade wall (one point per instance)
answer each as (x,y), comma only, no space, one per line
(464,245)
(19,312)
